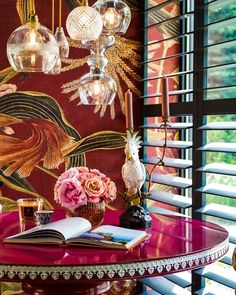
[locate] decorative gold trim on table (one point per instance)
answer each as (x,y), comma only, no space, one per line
(114,271)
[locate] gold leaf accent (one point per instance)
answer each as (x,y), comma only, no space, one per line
(100,140)
(8,204)
(73,64)
(10,288)
(6,75)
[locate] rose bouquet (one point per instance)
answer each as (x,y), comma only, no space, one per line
(80,186)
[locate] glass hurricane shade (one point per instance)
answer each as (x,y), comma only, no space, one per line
(62,42)
(84,23)
(97,88)
(32,48)
(116,16)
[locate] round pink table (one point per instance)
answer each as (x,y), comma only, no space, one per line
(175,244)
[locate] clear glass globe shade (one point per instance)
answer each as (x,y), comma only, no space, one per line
(32,48)
(84,23)
(62,42)
(97,91)
(116,16)
(111,19)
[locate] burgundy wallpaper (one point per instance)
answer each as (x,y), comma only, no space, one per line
(81,118)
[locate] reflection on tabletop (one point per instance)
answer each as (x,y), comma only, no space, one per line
(170,236)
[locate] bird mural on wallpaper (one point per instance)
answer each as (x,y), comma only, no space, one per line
(133,171)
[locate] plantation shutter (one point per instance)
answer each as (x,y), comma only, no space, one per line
(198,178)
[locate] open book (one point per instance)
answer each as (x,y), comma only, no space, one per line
(77,231)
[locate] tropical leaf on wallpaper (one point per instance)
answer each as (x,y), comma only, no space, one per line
(51,141)
(6,75)
(8,204)
(20,185)
(106,140)
(28,106)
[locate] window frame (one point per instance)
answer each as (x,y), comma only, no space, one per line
(198,108)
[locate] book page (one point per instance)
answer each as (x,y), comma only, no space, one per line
(63,229)
(109,236)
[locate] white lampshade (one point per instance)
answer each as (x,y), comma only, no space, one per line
(84,23)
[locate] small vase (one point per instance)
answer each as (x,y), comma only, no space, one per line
(93,212)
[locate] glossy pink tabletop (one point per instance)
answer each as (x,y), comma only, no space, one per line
(175,244)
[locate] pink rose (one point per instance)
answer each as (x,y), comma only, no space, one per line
(78,186)
(72,172)
(83,176)
(111,191)
(94,188)
(82,169)
(98,173)
(70,194)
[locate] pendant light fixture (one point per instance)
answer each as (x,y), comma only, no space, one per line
(116,16)
(104,42)
(32,47)
(84,23)
(61,38)
(96,87)
(56,69)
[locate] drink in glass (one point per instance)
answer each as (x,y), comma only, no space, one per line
(27,208)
